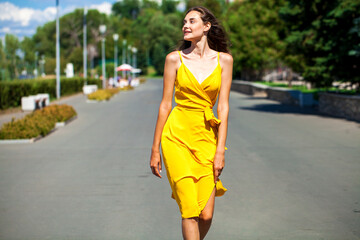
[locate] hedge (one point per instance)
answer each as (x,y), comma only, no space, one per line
(40,122)
(12,91)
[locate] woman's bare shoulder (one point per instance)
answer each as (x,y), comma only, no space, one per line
(173,57)
(226,58)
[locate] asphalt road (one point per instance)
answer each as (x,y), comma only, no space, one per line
(290,174)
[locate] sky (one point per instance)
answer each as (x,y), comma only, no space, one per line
(22,17)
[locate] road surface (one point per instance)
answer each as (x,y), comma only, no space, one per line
(290,174)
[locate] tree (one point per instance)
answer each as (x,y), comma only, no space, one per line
(164,34)
(3,62)
(28,46)
(71,37)
(45,38)
(324,35)
(71,31)
(217,7)
(12,45)
(126,9)
(254,28)
(149,4)
(168,6)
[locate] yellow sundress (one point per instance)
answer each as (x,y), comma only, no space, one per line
(188,141)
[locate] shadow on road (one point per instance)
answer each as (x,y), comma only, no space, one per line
(289,109)
(281,108)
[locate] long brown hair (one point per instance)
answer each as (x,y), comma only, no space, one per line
(216,37)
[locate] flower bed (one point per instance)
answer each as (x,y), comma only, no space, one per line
(100,95)
(104,95)
(38,123)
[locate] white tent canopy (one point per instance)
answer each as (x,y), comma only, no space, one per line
(124,67)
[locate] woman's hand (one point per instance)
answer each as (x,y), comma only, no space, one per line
(155,163)
(219,164)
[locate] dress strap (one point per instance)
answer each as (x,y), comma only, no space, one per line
(218,57)
(180,56)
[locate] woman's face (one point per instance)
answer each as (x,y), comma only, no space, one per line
(194,27)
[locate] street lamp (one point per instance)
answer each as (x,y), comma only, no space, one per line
(58,85)
(116,38)
(84,47)
(42,62)
(124,56)
(134,50)
(129,54)
(102,29)
(124,52)
(36,67)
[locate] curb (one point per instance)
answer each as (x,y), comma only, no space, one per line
(95,101)
(63,124)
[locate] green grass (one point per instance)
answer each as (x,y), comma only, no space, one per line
(270,84)
(314,90)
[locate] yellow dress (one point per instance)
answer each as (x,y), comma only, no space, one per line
(188,141)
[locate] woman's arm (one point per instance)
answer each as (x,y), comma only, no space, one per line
(226,62)
(170,69)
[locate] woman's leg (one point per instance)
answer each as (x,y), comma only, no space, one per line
(190,228)
(206,215)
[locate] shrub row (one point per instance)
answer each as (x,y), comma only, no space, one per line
(12,91)
(104,95)
(100,95)
(40,122)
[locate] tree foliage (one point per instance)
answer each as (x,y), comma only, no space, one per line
(319,39)
(323,38)
(12,45)
(127,8)
(254,28)
(217,7)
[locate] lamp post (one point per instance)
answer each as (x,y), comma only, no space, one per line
(134,50)
(129,54)
(57,51)
(42,62)
(84,47)
(116,38)
(129,57)
(102,29)
(124,56)
(36,67)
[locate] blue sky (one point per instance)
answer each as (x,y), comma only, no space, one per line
(42,4)
(22,17)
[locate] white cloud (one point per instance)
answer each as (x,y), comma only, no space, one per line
(5,30)
(24,20)
(23,16)
(104,7)
(48,14)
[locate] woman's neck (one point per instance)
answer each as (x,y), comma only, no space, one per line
(200,48)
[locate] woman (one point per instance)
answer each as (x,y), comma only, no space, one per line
(192,138)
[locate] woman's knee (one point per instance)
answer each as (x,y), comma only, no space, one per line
(206,216)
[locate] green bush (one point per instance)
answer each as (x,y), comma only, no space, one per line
(12,91)
(38,123)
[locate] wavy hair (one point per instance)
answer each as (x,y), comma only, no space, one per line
(216,37)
